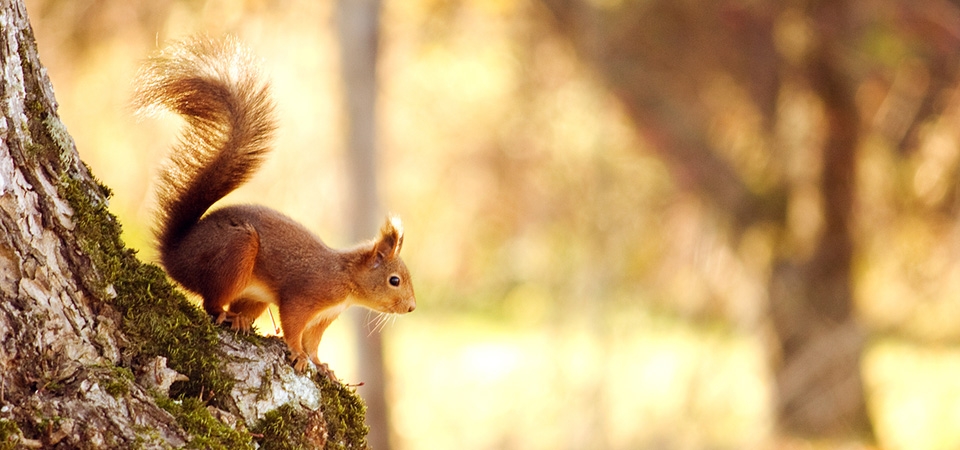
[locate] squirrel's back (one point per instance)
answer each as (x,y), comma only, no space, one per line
(214,84)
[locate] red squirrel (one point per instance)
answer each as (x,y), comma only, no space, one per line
(241,258)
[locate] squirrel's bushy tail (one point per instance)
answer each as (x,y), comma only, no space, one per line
(216,86)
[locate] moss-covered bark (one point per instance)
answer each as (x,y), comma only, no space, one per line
(82,320)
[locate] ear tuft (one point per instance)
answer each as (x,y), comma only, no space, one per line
(391,238)
(394,221)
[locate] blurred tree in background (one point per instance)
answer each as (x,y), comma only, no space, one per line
(632,223)
(665,59)
(358,26)
(686,70)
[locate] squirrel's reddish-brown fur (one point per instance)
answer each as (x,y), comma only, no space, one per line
(241,258)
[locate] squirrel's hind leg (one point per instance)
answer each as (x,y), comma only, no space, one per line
(232,254)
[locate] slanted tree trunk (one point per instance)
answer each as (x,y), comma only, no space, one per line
(98,350)
(358,24)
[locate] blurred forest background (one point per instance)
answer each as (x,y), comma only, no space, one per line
(631,223)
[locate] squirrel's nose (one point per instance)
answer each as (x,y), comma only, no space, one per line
(413,306)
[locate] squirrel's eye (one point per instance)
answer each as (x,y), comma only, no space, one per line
(394,281)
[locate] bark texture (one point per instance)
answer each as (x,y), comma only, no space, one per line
(98,350)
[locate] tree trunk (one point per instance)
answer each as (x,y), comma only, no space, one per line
(658,57)
(819,385)
(358,23)
(88,331)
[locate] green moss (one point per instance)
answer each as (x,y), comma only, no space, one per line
(266,381)
(97,232)
(338,425)
(285,429)
(45,424)
(116,381)
(9,434)
(145,437)
(159,320)
(207,432)
(344,413)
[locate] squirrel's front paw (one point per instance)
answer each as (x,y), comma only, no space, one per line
(300,361)
(224,316)
(238,322)
(326,370)
(241,323)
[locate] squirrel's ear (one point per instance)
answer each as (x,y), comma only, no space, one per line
(388,244)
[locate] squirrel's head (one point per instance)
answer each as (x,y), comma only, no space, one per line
(384,282)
